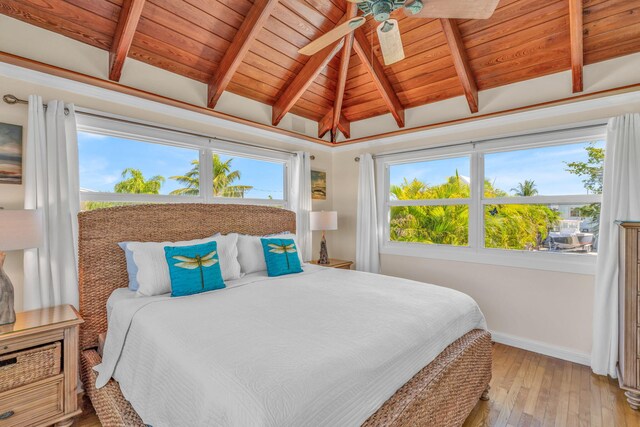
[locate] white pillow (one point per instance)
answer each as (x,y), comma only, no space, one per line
(153,271)
(251,254)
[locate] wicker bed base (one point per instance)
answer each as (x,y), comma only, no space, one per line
(442,394)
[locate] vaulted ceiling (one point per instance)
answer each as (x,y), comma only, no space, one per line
(250,48)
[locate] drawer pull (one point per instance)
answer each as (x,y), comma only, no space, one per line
(8,362)
(6,415)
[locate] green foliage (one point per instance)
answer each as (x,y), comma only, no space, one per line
(90,206)
(507,226)
(523,227)
(223,178)
(525,189)
(592,171)
(134,182)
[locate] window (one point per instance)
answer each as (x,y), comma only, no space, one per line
(124,163)
(516,180)
(110,164)
(520,201)
(429,201)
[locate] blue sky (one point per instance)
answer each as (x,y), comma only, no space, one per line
(546,166)
(103,158)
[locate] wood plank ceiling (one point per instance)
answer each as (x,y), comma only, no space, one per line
(250,48)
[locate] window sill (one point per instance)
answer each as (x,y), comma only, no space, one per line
(560,262)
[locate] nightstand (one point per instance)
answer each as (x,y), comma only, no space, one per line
(39,368)
(335,263)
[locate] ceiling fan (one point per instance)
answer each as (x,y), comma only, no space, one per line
(388,29)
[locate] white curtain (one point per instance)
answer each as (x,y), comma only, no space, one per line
(301,200)
(620,201)
(367,252)
(51,185)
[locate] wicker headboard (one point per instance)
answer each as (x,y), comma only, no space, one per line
(102,265)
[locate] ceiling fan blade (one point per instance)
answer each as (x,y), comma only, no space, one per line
(336,34)
(460,9)
(390,41)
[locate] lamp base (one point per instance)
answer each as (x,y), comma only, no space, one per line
(7,312)
(324,255)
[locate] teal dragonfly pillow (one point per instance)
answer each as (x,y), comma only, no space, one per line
(194,269)
(281,256)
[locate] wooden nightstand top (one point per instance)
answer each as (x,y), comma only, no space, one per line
(40,320)
(335,263)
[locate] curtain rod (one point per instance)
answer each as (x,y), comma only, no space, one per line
(480,141)
(12,100)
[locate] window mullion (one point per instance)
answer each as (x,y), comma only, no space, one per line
(544,200)
(476,221)
(206,175)
(429,202)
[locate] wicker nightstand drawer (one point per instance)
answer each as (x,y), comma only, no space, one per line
(28,366)
(32,404)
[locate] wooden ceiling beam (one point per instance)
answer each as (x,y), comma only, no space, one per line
(376,71)
(123,37)
(233,57)
(290,94)
(577,49)
(352,11)
(461,62)
(325,125)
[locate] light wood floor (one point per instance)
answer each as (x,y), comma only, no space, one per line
(529,389)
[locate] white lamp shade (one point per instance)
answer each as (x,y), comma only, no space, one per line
(324,220)
(20,229)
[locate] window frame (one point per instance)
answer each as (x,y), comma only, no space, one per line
(476,252)
(175,138)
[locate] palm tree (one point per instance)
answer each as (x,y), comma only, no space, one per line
(525,189)
(134,182)
(506,226)
(223,179)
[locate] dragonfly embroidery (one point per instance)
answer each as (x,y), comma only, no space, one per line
(196,262)
(283,249)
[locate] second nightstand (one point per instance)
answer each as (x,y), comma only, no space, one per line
(39,368)
(335,263)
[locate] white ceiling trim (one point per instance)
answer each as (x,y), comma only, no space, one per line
(585,106)
(84,89)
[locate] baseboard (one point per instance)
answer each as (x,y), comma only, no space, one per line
(542,348)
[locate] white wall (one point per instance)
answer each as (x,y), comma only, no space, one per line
(552,308)
(12,196)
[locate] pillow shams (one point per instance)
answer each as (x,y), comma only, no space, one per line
(281,256)
(251,254)
(153,271)
(132,268)
(193,269)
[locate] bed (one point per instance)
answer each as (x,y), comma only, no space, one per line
(438,389)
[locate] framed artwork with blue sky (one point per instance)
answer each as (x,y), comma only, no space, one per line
(10,154)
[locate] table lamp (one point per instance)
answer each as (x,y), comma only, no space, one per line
(324,220)
(19,229)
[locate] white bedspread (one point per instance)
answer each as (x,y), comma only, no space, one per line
(326,347)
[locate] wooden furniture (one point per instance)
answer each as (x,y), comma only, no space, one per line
(335,263)
(629,312)
(441,394)
(39,363)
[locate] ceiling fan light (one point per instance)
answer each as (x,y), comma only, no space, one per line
(390,42)
(413,7)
